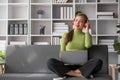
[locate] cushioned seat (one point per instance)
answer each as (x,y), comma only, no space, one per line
(97,77)
(27,76)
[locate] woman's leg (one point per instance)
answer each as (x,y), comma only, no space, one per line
(57,67)
(91,67)
(60,69)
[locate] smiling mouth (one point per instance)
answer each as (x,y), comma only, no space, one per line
(77,26)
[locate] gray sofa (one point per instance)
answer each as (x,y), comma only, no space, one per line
(29,62)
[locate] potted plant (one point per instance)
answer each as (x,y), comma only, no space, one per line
(117,48)
(2,56)
(118,67)
(118,32)
(117,44)
(40,13)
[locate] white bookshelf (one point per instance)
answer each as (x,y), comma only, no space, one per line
(25,12)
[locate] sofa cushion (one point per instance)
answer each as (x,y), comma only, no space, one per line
(97,77)
(102,77)
(27,76)
(35,76)
(29,59)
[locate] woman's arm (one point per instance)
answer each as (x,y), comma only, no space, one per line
(88,40)
(62,42)
(88,37)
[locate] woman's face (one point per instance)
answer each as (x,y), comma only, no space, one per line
(79,22)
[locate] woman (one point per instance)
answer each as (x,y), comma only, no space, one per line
(76,40)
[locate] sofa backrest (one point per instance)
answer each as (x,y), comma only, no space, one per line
(101,52)
(31,58)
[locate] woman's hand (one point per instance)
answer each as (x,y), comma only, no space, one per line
(87,26)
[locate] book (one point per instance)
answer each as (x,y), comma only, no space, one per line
(25,29)
(21,29)
(61,12)
(68,13)
(105,17)
(64,30)
(16,29)
(61,28)
(57,40)
(110,47)
(17,43)
(107,0)
(109,44)
(65,25)
(11,29)
(71,12)
(65,12)
(57,33)
(110,50)
(58,23)
(106,41)
(105,13)
(41,43)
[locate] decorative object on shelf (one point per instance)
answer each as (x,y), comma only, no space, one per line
(42,29)
(40,13)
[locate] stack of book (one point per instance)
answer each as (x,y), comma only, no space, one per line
(60,1)
(108,42)
(66,12)
(107,0)
(17,43)
(82,1)
(18,29)
(105,15)
(2,45)
(57,40)
(41,43)
(60,28)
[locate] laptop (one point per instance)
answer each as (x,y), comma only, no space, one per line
(74,57)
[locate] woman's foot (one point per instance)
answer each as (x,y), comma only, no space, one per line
(74,73)
(78,71)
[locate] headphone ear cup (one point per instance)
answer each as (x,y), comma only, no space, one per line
(73,21)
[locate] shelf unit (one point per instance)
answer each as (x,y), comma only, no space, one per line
(25,12)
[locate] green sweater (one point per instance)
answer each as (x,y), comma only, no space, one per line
(80,41)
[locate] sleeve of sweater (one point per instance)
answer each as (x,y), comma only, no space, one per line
(62,42)
(88,40)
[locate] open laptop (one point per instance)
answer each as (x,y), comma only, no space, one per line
(74,57)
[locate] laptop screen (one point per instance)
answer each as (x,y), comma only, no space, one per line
(74,57)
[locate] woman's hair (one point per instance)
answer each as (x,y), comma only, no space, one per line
(69,35)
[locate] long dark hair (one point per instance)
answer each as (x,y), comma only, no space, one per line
(69,35)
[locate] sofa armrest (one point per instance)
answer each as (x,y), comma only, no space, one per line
(112,71)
